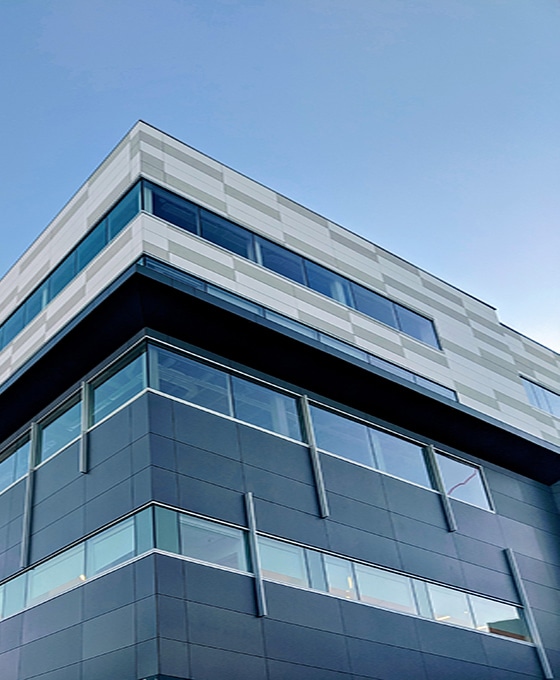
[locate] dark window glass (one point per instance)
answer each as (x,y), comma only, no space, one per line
(125,210)
(328,283)
(121,384)
(225,234)
(400,457)
(35,303)
(190,380)
(91,246)
(173,209)
(60,429)
(374,305)
(13,325)
(280,260)
(265,407)
(343,436)
(212,542)
(462,481)
(62,275)
(417,326)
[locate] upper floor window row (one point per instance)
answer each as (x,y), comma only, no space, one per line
(76,260)
(223,391)
(541,397)
(182,213)
(241,241)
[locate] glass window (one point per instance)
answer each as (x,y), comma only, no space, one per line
(234,299)
(190,380)
(226,234)
(374,305)
(328,283)
(167,530)
(385,589)
(450,606)
(283,562)
(340,577)
(316,570)
(35,303)
(262,406)
(391,368)
(60,429)
(343,436)
(62,275)
(15,464)
(127,208)
(212,542)
(462,481)
(121,384)
(292,324)
(280,260)
(435,387)
(553,403)
(13,325)
(144,531)
(343,347)
(499,618)
(400,457)
(173,209)
(91,246)
(417,326)
(14,595)
(110,548)
(56,575)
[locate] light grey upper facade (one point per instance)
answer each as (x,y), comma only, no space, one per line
(480,359)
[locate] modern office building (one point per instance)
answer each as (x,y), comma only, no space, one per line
(241,442)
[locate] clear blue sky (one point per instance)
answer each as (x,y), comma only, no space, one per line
(431,127)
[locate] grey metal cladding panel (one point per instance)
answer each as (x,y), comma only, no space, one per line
(355,482)
(281,490)
(363,516)
(385,662)
(441,289)
(308,646)
(415,294)
(511,656)
(52,616)
(225,629)
(211,500)
(354,245)
(109,592)
(431,565)
(424,350)
(300,210)
(51,653)
(491,340)
(528,514)
(212,663)
(152,161)
(171,617)
(396,260)
(251,202)
(291,524)
(202,260)
(206,466)
(363,545)
(119,664)
(424,535)
(193,161)
(303,608)
(451,642)
(413,501)
(219,588)
(379,625)
(481,397)
(196,194)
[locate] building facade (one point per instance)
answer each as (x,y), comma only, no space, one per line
(240,441)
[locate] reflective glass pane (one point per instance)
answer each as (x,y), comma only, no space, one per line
(15,595)
(535,394)
(234,299)
(190,380)
(259,405)
(462,481)
(110,548)
(343,436)
(60,429)
(1,602)
(62,275)
(35,303)
(213,543)
(450,606)
(13,325)
(417,326)
(343,347)
(91,246)
(282,562)
(553,403)
(340,577)
(226,234)
(144,531)
(391,368)
(121,385)
(167,530)
(15,464)
(499,618)
(174,209)
(328,283)
(385,589)
(56,575)
(316,570)
(400,457)
(374,305)
(281,260)
(292,324)
(127,208)
(435,387)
